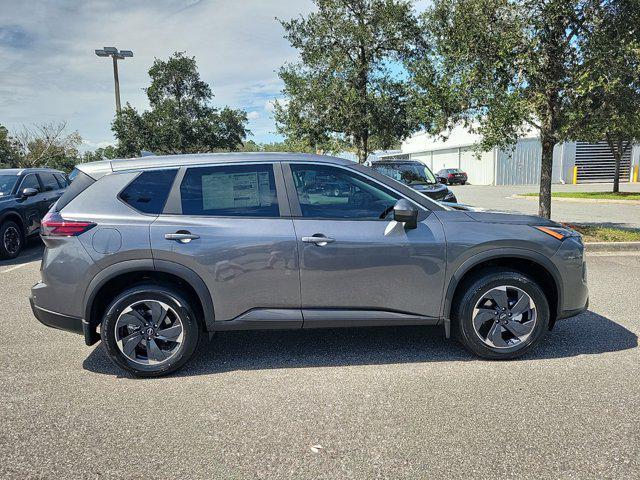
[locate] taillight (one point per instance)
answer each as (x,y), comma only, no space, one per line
(53,225)
(451,175)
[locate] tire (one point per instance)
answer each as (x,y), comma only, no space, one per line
(11,240)
(507,334)
(172,349)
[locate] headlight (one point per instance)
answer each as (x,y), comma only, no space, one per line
(559,232)
(448,196)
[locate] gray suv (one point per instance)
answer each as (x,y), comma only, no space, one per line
(156,253)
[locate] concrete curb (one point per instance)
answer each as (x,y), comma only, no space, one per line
(612,247)
(578,200)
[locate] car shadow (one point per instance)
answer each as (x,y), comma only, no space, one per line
(586,334)
(32,251)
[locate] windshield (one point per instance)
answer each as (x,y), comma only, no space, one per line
(407,173)
(6,184)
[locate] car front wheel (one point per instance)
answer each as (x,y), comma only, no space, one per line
(150,330)
(501,314)
(11,240)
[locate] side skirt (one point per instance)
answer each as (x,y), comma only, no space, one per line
(281,319)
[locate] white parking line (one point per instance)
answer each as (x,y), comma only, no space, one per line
(15,267)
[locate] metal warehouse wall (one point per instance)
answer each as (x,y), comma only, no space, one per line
(521,166)
(479,169)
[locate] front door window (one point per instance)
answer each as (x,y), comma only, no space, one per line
(330,192)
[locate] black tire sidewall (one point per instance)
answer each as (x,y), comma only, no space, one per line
(166,295)
(3,252)
(463,315)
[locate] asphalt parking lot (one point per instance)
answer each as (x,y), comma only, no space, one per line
(356,403)
(502,198)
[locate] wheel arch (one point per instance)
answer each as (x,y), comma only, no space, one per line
(528,262)
(118,277)
(15,216)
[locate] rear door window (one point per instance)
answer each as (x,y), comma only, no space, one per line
(230,190)
(49,182)
(149,191)
(62,181)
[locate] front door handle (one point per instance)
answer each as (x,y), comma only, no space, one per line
(318,239)
(181,236)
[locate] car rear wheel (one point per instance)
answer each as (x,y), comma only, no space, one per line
(11,240)
(501,315)
(150,330)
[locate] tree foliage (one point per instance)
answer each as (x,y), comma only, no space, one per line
(101,153)
(8,149)
(181,118)
(607,92)
(40,145)
(346,91)
(502,67)
(288,145)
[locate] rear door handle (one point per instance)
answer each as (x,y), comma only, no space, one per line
(181,236)
(318,239)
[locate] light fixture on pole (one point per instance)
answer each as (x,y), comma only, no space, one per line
(116,55)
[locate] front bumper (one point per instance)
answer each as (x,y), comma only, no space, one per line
(573,313)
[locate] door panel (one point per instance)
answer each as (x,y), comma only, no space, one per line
(51,191)
(362,261)
(236,240)
(373,265)
(246,263)
(32,206)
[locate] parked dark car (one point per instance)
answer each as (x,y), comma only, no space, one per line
(451,176)
(26,195)
(417,176)
(153,255)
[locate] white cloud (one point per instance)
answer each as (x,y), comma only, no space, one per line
(49,71)
(253,115)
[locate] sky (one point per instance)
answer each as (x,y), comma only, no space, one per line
(49,71)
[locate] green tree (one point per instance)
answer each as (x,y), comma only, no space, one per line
(607,94)
(100,153)
(502,67)
(288,145)
(181,118)
(346,91)
(47,145)
(9,154)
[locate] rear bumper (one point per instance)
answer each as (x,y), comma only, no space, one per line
(56,320)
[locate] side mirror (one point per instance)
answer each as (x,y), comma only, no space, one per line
(405,212)
(29,192)
(442,180)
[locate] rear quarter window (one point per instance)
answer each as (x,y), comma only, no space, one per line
(148,192)
(81,181)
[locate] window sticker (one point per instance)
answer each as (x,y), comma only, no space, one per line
(235,190)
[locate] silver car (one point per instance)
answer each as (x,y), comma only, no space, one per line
(157,253)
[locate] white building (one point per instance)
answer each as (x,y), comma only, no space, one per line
(518,166)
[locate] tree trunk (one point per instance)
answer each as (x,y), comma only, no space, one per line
(546,171)
(617,149)
(616,175)
(362,147)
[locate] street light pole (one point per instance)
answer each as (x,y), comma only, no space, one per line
(116,55)
(117,83)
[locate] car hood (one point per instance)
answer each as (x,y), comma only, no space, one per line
(436,191)
(512,218)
